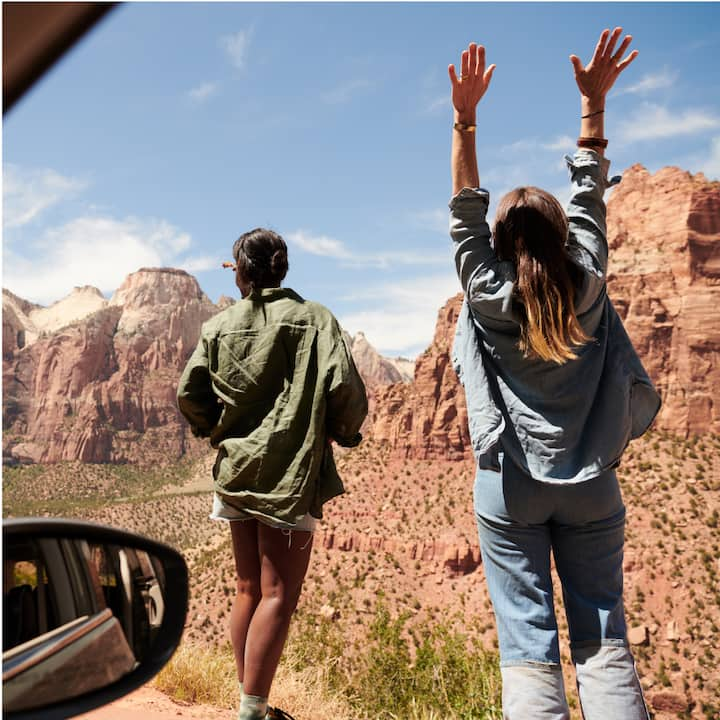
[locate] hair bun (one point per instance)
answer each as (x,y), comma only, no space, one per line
(279,262)
(261,257)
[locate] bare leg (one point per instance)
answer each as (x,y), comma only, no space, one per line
(247,597)
(282,571)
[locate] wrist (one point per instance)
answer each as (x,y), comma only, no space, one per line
(592,104)
(466,117)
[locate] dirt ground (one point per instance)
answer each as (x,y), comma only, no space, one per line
(150,704)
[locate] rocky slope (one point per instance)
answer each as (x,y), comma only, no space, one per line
(404,536)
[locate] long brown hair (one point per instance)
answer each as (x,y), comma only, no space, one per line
(531,229)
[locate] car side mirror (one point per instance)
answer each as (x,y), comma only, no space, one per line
(90,613)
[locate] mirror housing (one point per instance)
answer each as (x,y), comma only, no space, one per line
(117,603)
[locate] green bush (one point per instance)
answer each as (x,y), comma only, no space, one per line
(427,671)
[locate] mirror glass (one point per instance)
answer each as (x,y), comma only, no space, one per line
(77,616)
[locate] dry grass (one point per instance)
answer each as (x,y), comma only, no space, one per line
(206,675)
(200,674)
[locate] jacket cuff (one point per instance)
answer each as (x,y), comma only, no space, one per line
(585,157)
(353,441)
(478,197)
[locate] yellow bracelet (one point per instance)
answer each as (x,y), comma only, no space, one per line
(464,128)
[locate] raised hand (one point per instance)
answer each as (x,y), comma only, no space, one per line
(473,83)
(595,80)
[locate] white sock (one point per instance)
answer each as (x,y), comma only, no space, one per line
(252,707)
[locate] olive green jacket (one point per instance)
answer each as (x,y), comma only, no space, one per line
(270,383)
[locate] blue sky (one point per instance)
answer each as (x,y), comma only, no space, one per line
(174,127)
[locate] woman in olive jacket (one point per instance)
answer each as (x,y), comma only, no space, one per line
(271,384)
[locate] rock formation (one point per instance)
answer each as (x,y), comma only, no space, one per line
(405,367)
(664,278)
(455,555)
(94,380)
(376,371)
(18,329)
(428,417)
(101,387)
(374,368)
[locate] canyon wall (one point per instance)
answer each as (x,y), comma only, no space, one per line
(97,382)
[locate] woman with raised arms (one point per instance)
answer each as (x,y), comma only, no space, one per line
(555,391)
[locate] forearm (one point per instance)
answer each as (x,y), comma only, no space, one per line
(592,120)
(464,168)
(195,397)
(586,212)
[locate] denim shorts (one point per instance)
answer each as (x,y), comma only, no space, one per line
(222,510)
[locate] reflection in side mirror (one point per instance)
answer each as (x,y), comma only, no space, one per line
(89,614)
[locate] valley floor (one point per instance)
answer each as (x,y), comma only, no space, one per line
(400,547)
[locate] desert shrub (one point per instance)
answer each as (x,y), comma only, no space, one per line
(400,672)
(200,674)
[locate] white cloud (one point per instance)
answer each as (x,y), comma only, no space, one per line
(345,92)
(236,47)
(648,83)
(651,122)
(28,192)
(711,164)
(437,220)
(202,92)
(321,245)
(328,247)
(442,102)
(561,143)
(98,251)
(404,324)
(199,264)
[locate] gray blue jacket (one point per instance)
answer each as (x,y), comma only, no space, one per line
(559,423)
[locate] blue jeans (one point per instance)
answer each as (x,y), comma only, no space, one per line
(521,521)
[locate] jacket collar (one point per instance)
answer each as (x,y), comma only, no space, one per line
(270,294)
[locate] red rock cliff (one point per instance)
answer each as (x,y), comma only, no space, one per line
(428,417)
(102,388)
(664,278)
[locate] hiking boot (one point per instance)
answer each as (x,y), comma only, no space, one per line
(277,714)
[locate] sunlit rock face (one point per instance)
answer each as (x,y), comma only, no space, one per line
(94,380)
(664,278)
(374,368)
